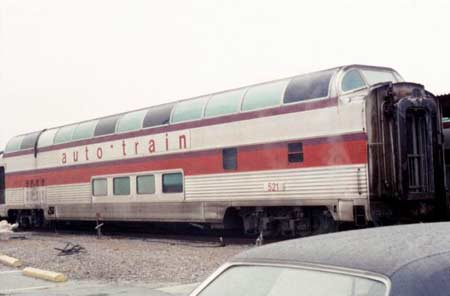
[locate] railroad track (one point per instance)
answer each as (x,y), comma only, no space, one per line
(182,235)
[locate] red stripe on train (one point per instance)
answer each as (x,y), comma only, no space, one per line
(250,158)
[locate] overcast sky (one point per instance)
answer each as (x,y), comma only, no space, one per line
(64,61)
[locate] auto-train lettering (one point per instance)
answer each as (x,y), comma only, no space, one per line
(126,148)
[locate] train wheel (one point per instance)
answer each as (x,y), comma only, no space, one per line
(322,222)
(30,219)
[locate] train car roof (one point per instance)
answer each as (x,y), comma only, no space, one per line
(271,94)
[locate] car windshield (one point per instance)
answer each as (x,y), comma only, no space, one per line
(286,281)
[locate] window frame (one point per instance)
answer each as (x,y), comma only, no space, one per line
(114,187)
(172,173)
(300,152)
(92,186)
(137,184)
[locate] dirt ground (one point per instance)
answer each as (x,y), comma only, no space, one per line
(122,259)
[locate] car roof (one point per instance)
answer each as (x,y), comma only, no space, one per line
(382,250)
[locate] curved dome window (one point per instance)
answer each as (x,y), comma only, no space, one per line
(14,144)
(309,86)
(131,121)
(64,134)
(29,141)
(47,138)
(189,110)
(352,80)
(224,103)
(84,130)
(159,115)
(106,126)
(264,95)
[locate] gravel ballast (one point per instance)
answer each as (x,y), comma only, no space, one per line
(122,259)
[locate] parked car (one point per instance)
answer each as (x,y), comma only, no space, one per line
(405,260)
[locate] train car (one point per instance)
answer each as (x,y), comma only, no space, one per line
(351,145)
(444,101)
(2,180)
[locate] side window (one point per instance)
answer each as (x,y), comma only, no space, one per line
(172,182)
(99,187)
(229,158)
(352,80)
(121,186)
(145,184)
(295,152)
